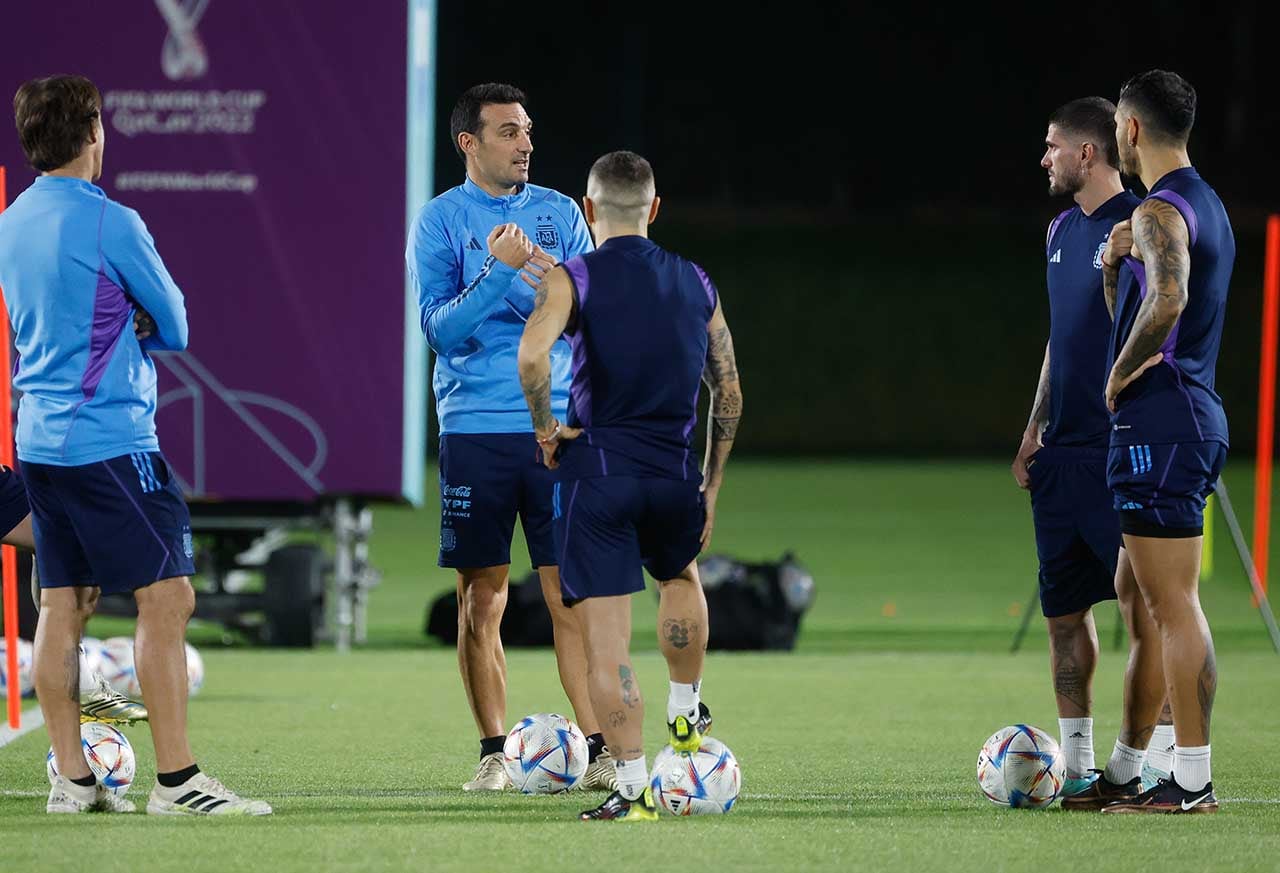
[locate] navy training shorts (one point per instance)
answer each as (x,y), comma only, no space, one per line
(1160,490)
(1077,528)
(608,528)
(117,525)
(486,480)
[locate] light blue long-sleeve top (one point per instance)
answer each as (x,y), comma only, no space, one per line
(75,266)
(473,307)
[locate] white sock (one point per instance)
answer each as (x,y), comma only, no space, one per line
(1077,744)
(1191,767)
(683,700)
(1160,749)
(1125,764)
(633,776)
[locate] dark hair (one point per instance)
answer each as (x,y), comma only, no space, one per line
(55,118)
(1164,101)
(625,181)
(466,112)
(1092,119)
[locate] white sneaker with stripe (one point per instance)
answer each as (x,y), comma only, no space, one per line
(202,795)
(67,797)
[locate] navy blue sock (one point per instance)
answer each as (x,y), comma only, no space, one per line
(595,745)
(491,745)
(85,781)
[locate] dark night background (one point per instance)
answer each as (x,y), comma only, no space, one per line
(863,183)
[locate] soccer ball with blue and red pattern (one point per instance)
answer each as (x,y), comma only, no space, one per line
(1021,766)
(705,782)
(108,753)
(115,661)
(545,754)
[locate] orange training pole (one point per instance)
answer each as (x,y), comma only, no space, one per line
(8,557)
(1266,401)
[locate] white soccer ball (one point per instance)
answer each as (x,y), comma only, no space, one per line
(92,648)
(108,753)
(116,664)
(1021,766)
(26,664)
(545,754)
(195,671)
(705,782)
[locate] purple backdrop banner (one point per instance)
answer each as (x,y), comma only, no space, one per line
(264,145)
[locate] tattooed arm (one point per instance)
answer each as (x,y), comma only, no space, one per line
(1110,287)
(1035,426)
(721,377)
(1119,244)
(552,306)
(1161,242)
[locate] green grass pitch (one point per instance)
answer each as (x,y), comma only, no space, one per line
(857,750)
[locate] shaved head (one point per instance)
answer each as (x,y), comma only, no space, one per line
(621,186)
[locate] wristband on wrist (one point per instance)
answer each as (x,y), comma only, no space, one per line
(550,438)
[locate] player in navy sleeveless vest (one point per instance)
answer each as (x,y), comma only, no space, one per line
(1062,458)
(1167,281)
(646,326)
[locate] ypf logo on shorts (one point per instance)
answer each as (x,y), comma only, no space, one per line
(455,501)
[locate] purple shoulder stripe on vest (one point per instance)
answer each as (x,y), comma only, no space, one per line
(1053,228)
(1178,202)
(576,267)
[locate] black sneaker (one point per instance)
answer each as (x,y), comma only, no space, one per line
(618,808)
(1169,797)
(685,735)
(1102,792)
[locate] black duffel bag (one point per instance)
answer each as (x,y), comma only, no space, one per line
(755,605)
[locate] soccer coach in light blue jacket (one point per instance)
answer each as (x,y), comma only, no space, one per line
(476,255)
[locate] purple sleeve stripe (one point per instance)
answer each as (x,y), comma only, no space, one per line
(576,267)
(1178,202)
(111,311)
(706,284)
(1053,228)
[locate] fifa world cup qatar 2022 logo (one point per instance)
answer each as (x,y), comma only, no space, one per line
(183,55)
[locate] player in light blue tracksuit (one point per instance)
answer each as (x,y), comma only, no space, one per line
(78,269)
(476,254)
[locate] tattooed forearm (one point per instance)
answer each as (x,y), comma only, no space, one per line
(1040,406)
(721,376)
(536,382)
(630,691)
(1110,286)
(1160,236)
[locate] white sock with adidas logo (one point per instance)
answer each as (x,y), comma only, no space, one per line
(1077,745)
